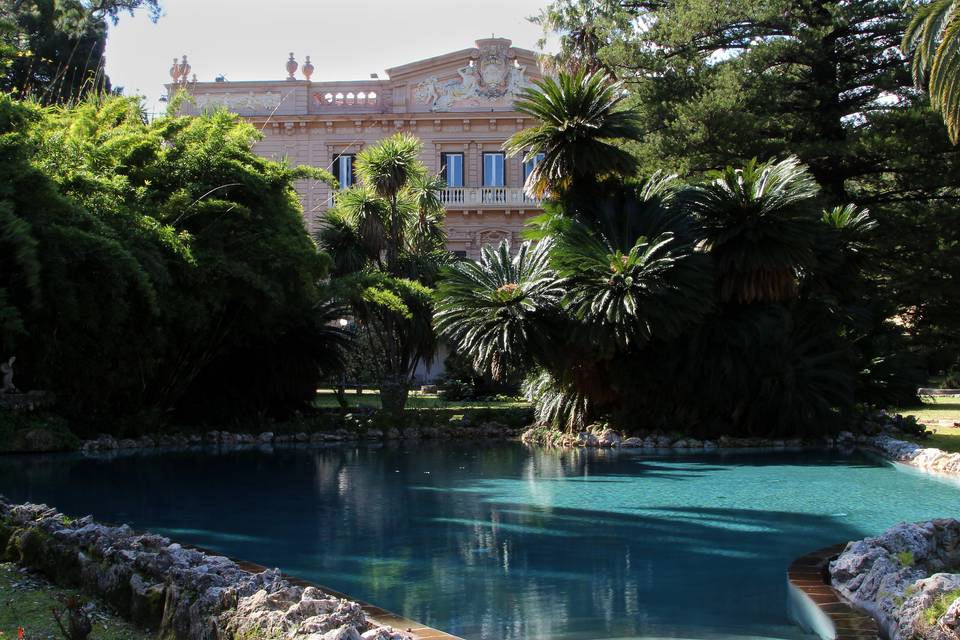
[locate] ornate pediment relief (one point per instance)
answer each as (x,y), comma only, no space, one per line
(492,77)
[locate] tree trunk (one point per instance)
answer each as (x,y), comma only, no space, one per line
(393,394)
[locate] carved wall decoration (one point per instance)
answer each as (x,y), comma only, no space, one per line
(492,236)
(495,80)
(249,101)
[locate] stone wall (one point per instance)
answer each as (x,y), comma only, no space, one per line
(460,429)
(181,593)
(906,578)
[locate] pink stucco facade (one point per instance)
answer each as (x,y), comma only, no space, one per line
(458,103)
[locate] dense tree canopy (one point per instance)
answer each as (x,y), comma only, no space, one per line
(731,305)
(52,50)
(717,83)
(155,267)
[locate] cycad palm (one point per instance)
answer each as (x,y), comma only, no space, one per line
(759,224)
(491,309)
(577,121)
(654,289)
(933,37)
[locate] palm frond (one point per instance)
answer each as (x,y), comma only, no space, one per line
(491,309)
(577,121)
(933,39)
(555,404)
(759,224)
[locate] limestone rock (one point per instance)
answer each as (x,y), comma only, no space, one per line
(179,592)
(609,438)
(587,439)
(899,574)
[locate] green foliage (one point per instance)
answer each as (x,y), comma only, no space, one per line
(140,257)
(385,236)
(759,226)
(933,37)
(905,558)
(490,309)
(935,611)
(627,286)
(715,83)
(577,119)
(52,50)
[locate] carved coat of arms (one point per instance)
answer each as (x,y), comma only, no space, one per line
(492,76)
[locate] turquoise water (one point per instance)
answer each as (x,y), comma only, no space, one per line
(504,543)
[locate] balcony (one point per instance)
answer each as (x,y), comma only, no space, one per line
(486,197)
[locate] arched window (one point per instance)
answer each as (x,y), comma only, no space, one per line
(372,97)
(338,98)
(328,98)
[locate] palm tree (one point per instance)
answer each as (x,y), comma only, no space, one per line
(388,168)
(577,121)
(493,309)
(933,37)
(759,223)
(622,299)
(385,237)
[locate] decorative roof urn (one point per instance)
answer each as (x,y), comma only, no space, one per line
(175,71)
(307,69)
(291,67)
(184,69)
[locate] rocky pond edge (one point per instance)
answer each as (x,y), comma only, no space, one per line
(177,591)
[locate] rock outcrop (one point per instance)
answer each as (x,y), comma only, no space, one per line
(906,578)
(180,592)
(927,458)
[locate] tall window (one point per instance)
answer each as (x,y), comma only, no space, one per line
(530,164)
(493,169)
(343,170)
(451,169)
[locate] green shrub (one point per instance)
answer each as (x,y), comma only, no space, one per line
(939,607)
(171,251)
(905,558)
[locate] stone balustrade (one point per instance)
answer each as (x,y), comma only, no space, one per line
(344,97)
(470,197)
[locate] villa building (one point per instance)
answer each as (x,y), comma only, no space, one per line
(459,104)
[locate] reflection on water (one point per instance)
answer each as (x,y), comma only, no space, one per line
(504,543)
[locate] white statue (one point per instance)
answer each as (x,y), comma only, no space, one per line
(468,82)
(6,369)
(428,91)
(518,82)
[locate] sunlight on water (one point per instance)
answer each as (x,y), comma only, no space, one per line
(500,542)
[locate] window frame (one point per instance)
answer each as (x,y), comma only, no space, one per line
(337,169)
(444,163)
(503,170)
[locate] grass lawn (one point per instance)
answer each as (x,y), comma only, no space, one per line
(942,410)
(28,605)
(369,398)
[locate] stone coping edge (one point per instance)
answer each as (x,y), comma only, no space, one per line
(810,575)
(41,537)
(929,459)
(376,614)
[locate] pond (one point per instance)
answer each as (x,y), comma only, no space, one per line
(502,542)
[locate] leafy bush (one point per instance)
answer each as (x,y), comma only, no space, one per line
(150,269)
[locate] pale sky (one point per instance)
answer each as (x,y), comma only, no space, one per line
(346,39)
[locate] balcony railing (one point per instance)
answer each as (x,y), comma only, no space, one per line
(468,197)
